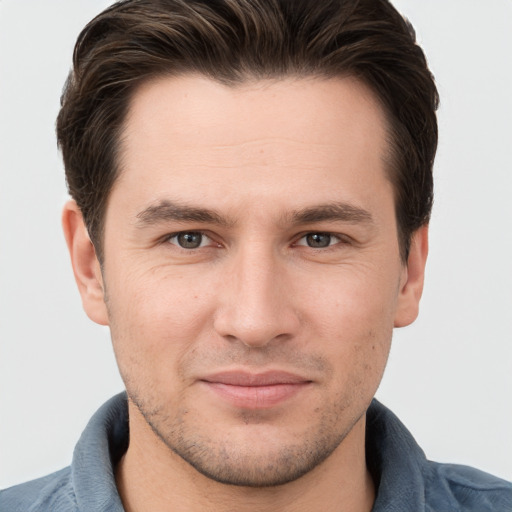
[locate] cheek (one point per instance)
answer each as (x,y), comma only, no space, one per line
(351,318)
(155,322)
(357,347)
(350,301)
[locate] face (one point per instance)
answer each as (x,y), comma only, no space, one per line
(251,271)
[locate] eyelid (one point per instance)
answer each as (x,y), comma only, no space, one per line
(338,238)
(206,238)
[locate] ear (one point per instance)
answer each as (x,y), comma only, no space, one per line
(86,266)
(411,286)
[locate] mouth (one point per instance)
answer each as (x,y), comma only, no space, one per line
(256,391)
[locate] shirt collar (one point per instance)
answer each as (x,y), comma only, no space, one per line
(393,457)
(396,462)
(102,444)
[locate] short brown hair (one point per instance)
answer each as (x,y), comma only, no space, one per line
(232,41)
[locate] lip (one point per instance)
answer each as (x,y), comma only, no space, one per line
(255,390)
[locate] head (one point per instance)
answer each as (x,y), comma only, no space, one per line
(255,178)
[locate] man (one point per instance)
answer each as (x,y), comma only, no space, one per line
(251,188)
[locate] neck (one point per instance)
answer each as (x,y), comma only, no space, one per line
(150,477)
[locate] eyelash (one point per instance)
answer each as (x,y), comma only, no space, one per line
(339,239)
(172,236)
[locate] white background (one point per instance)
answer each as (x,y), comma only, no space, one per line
(450,375)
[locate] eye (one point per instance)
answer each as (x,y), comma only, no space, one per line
(318,240)
(189,239)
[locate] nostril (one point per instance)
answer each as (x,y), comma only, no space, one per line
(254,332)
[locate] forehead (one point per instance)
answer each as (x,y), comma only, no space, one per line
(192,106)
(258,138)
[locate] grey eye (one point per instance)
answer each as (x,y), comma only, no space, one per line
(318,240)
(189,239)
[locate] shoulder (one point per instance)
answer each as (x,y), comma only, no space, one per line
(466,489)
(51,493)
(407,480)
(89,483)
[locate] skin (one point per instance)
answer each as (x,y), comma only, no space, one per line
(250,172)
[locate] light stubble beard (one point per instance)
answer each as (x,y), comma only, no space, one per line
(223,462)
(186,433)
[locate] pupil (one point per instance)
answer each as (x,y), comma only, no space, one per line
(190,240)
(318,239)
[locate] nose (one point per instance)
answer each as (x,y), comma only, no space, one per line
(257,305)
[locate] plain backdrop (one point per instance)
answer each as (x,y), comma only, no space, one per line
(449,377)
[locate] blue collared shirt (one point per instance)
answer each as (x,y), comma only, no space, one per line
(405,480)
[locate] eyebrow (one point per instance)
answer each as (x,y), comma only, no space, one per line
(167,211)
(332,212)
